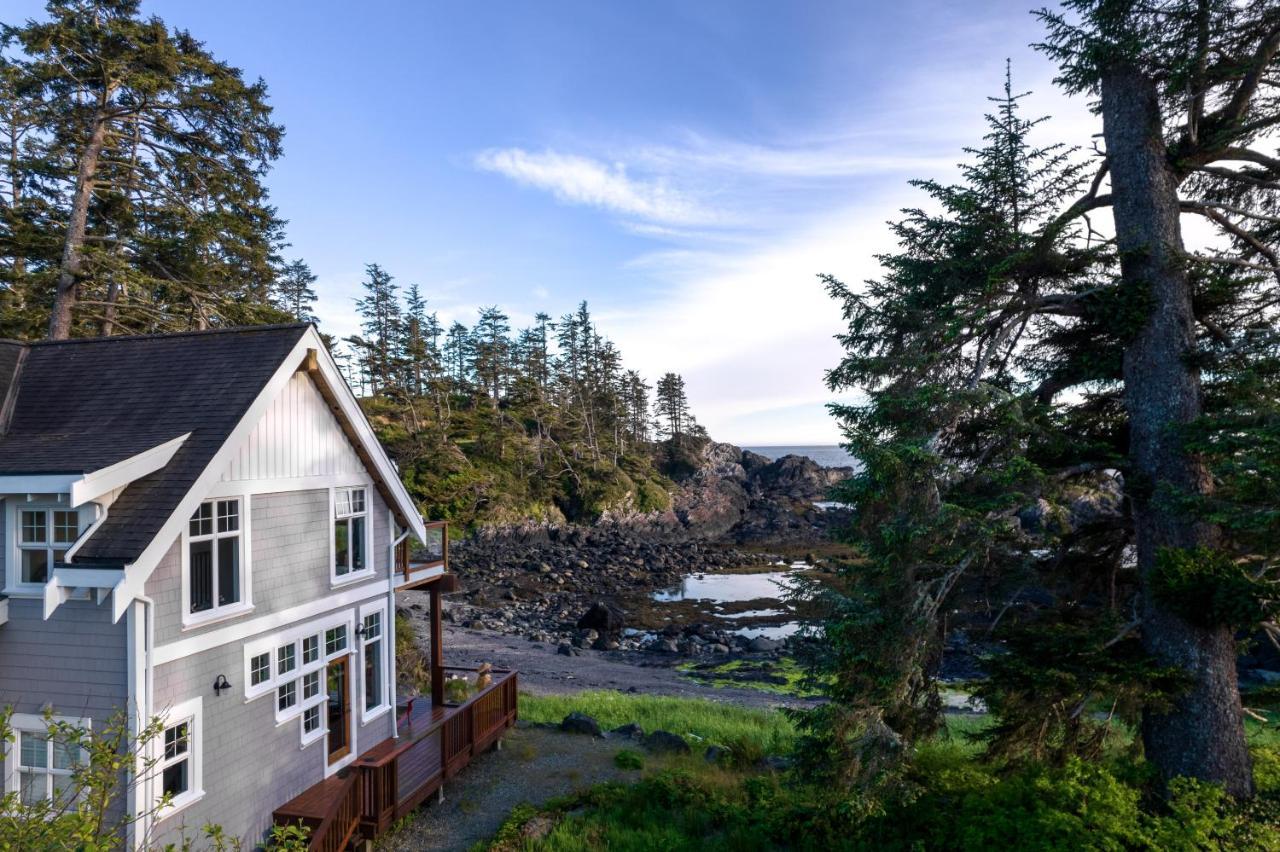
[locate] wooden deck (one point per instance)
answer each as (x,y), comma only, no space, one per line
(395,776)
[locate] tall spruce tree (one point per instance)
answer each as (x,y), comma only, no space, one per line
(1056,404)
(294,293)
(135,187)
(672,405)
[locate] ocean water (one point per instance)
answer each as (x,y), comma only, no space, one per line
(827,456)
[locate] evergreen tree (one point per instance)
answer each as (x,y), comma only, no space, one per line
(1050,406)
(380,311)
(135,188)
(294,292)
(457,351)
(491,352)
(672,405)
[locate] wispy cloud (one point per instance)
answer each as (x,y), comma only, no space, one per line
(575,179)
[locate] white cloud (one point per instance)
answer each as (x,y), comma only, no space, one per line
(576,179)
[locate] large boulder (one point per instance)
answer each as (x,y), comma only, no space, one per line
(665,742)
(580,723)
(603,618)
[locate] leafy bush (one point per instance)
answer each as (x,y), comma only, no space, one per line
(627,759)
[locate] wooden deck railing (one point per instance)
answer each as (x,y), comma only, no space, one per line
(397,775)
(434,745)
(435,553)
(331,810)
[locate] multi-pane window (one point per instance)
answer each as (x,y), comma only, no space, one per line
(46,768)
(311,719)
(310,685)
(310,649)
(213,553)
(286,696)
(335,639)
(350,524)
(286,659)
(44,535)
(175,763)
(260,669)
(372,641)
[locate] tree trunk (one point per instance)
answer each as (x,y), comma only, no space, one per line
(64,299)
(1203,736)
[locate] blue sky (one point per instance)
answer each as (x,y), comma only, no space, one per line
(686,167)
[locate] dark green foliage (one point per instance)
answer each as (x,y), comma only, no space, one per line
(177,231)
(491,427)
(627,759)
(956,803)
(1209,587)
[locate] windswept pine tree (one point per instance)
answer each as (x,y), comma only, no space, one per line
(672,406)
(134,198)
(294,293)
(1064,396)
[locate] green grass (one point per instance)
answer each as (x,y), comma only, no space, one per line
(698,720)
(721,675)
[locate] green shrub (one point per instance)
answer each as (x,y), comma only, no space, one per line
(627,759)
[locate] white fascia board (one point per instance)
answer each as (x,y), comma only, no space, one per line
(351,409)
(65,581)
(137,572)
(40,483)
(93,485)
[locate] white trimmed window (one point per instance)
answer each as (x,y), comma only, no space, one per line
(40,766)
(291,667)
(350,533)
(214,582)
(178,758)
(372,649)
(44,535)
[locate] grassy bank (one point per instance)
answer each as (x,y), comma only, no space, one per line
(950,798)
(698,720)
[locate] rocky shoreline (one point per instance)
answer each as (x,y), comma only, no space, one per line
(571,588)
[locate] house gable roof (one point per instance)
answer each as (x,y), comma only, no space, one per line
(83,405)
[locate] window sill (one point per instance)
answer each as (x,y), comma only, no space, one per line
(354,577)
(226,613)
(24,590)
(373,714)
(180,803)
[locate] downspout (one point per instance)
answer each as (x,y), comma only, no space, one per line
(143,800)
(391,616)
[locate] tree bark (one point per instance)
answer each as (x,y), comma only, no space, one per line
(64,299)
(1203,735)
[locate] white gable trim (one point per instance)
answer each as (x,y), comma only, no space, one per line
(136,574)
(100,482)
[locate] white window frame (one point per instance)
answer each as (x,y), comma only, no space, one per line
(32,723)
(245,604)
(294,638)
(379,608)
(190,711)
(15,506)
(351,576)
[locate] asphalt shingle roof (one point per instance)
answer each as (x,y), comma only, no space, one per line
(84,404)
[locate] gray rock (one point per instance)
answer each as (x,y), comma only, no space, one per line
(761,644)
(774,763)
(665,742)
(631,731)
(580,723)
(567,650)
(716,754)
(602,617)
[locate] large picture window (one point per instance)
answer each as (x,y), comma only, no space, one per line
(215,573)
(350,531)
(44,535)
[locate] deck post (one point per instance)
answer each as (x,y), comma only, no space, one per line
(437,648)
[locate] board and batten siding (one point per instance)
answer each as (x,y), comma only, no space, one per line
(289,562)
(251,765)
(297,436)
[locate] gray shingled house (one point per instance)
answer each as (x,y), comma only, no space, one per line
(202,528)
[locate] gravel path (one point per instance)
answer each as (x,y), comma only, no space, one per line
(545,672)
(534,765)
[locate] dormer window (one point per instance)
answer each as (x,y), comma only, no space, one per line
(44,535)
(215,560)
(350,532)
